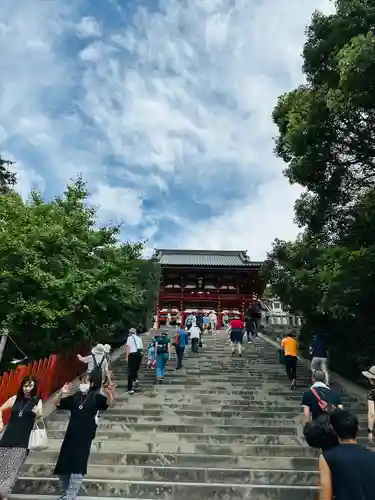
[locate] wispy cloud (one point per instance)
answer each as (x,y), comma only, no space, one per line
(164,106)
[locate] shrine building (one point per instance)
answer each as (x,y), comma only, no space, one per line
(226,282)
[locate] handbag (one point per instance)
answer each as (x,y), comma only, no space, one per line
(319,432)
(38,439)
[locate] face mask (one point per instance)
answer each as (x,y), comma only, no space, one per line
(84,387)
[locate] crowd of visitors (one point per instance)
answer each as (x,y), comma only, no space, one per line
(345,467)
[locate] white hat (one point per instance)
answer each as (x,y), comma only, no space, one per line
(107,348)
(133,331)
(370,373)
(98,349)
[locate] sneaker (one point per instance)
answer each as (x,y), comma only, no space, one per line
(293,384)
(131,392)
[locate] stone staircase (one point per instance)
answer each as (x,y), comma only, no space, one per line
(222,428)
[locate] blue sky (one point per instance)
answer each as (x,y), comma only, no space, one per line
(165,108)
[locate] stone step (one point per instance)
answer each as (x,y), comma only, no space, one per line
(187,460)
(235,397)
(167,419)
(167,490)
(252,407)
(194,438)
(282,413)
(166,446)
(187,474)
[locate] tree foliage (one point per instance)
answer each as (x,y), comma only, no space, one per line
(7,178)
(65,280)
(327,138)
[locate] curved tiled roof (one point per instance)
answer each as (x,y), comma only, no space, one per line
(204,258)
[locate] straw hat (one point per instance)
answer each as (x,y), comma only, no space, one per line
(98,350)
(107,348)
(370,373)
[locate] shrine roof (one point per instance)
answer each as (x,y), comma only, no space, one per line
(204,258)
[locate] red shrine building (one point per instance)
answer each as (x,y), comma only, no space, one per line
(226,282)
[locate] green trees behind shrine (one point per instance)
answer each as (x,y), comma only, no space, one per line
(327,138)
(64,279)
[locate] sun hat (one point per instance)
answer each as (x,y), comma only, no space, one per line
(133,331)
(98,350)
(370,373)
(107,348)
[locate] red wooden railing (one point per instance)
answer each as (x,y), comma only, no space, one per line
(51,373)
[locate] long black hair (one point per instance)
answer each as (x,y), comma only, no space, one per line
(25,380)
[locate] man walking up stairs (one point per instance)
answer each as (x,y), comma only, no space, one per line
(220,428)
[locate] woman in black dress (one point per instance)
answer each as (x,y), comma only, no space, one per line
(26,407)
(75,450)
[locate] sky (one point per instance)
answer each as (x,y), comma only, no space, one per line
(164,107)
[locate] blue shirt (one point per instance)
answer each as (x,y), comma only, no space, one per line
(206,320)
(318,348)
(183,338)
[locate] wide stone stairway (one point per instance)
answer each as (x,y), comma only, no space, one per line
(222,428)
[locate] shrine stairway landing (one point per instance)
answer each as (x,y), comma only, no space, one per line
(221,428)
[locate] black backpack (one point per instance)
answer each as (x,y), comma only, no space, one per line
(97,371)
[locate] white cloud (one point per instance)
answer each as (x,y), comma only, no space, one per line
(88,27)
(180,97)
(251,226)
(125,203)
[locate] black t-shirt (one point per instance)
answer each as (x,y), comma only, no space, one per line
(309,400)
(352,470)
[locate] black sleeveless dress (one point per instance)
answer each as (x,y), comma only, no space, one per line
(21,423)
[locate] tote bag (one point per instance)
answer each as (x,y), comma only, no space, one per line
(38,436)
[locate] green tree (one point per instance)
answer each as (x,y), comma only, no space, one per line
(7,178)
(327,125)
(64,279)
(327,139)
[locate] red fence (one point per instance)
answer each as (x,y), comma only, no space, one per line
(51,374)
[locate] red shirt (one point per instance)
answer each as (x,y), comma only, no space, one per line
(236,324)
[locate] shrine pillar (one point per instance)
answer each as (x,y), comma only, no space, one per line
(218,314)
(157,315)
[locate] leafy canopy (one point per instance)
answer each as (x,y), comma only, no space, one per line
(327,139)
(65,280)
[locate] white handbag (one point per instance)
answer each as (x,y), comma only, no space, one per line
(38,437)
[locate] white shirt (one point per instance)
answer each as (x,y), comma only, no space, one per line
(213,317)
(195,332)
(134,342)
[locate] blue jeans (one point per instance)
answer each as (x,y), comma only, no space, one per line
(161,361)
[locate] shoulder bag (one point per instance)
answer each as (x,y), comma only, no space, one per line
(138,350)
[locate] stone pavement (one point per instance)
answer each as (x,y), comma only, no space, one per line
(221,428)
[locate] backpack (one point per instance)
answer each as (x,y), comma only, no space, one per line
(162,345)
(319,433)
(97,370)
(176,340)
